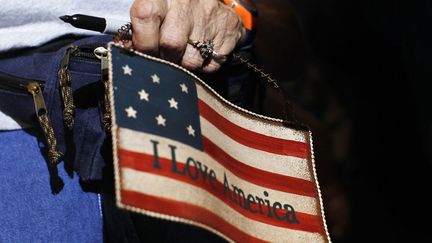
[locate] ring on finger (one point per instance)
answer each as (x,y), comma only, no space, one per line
(219,58)
(206,50)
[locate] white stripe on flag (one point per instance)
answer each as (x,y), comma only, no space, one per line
(138,181)
(244,120)
(279,164)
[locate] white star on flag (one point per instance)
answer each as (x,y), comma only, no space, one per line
(131,112)
(160,120)
(173,103)
(127,70)
(143,95)
(190,130)
(155,78)
(184,88)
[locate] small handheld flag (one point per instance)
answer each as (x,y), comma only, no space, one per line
(183,153)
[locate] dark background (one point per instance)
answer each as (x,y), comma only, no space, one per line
(359,73)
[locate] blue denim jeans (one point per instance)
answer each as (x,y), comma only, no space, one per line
(42,204)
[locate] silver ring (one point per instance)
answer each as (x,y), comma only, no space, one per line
(219,58)
(206,50)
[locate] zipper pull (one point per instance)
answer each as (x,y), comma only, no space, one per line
(42,114)
(66,88)
(102,54)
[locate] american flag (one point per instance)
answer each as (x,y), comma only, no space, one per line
(183,153)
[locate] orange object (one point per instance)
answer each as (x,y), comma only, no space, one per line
(246,10)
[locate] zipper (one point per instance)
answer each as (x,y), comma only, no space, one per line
(86,53)
(83,53)
(102,54)
(34,87)
(16,84)
(65,80)
(54,155)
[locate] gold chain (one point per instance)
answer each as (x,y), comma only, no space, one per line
(123,33)
(257,70)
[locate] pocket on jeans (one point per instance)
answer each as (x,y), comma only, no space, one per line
(88,132)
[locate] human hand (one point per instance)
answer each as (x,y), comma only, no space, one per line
(164,27)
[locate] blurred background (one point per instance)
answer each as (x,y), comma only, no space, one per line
(358,73)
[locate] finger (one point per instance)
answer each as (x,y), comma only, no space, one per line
(222,50)
(226,40)
(201,31)
(146,18)
(174,36)
(192,58)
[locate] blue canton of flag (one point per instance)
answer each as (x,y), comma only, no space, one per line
(161,100)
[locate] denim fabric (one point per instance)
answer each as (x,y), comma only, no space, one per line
(39,204)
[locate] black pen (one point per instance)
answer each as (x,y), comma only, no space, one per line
(103,25)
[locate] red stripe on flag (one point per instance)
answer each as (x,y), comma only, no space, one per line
(144,162)
(259,177)
(187,211)
(253,139)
